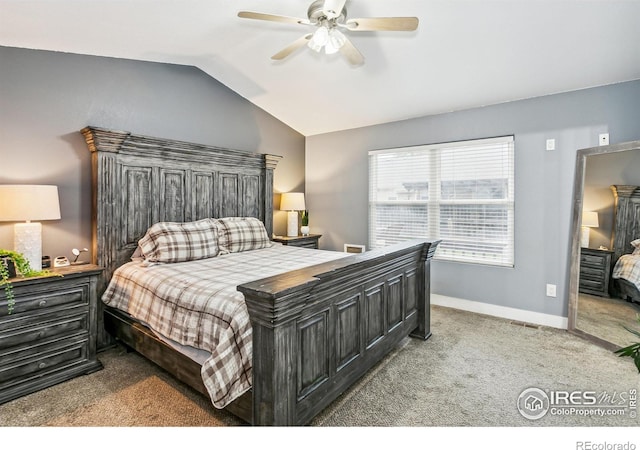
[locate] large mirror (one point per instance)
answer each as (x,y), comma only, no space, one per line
(606,217)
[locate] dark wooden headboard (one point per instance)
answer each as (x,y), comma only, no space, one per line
(626,215)
(140,180)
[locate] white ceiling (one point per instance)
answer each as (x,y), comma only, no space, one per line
(464,54)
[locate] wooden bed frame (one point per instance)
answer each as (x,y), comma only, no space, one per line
(316,331)
(626,228)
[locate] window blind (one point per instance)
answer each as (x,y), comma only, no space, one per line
(459,192)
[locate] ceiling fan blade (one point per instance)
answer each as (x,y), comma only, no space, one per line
(382,24)
(295,45)
(272,17)
(333,8)
(351,53)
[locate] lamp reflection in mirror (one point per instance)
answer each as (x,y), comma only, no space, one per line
(589,220)
(28,203)
(292,202)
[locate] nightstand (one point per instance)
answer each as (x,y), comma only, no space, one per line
(308,241)
(50,336)
(595,271)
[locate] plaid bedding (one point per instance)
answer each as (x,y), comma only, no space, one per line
(172,242)
(628,268)
(196,303)
(239,234)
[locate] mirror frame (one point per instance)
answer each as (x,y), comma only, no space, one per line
(578,193)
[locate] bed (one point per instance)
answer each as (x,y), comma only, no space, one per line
(626,242)
(315,330)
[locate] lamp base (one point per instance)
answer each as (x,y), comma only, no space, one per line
(27,239)
(292,223)
(584,237)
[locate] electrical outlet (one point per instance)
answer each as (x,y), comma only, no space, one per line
(551,144)
(603,139)
(551,290)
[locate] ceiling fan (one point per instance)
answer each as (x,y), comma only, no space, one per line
(329,17)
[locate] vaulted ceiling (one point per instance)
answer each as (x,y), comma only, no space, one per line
(464,54)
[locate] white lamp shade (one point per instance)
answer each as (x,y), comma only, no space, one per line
(26,202)
(590,219)
(292,201)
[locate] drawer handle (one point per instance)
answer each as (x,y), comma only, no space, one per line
(42,303)
(42,365)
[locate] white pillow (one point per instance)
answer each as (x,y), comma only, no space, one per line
(636,247)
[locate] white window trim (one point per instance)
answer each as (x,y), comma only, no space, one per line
(434,202)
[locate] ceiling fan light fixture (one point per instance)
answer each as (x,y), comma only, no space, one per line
(328,17)
(319,39)
(335,42)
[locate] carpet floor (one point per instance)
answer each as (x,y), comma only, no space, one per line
(606,318)
(470,373)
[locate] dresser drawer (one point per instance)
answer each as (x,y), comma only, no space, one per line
(591,272)
(591,285)
(591,260)
(23,331)
(306,244)
(45,299)
(45,358)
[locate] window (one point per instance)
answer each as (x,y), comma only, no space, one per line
(459,192)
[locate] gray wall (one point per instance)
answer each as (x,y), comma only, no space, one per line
(336,183)
(602,171)
(47,97)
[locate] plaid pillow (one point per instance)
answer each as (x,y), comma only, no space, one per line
(171,242)
(239,234)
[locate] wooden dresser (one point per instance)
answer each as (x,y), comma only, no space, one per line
(309,241)
(595,271)
(51,334)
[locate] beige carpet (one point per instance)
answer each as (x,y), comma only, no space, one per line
(469,374)
(606,318)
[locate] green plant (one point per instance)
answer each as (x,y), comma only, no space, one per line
(633,350)
(23,269)
(304,218)
(8,288)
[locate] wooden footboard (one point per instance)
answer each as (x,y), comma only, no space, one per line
(318,330)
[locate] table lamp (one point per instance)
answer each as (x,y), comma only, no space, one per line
(26,203)
(589,220)
(292,202)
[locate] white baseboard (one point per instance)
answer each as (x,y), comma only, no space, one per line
(504,312)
